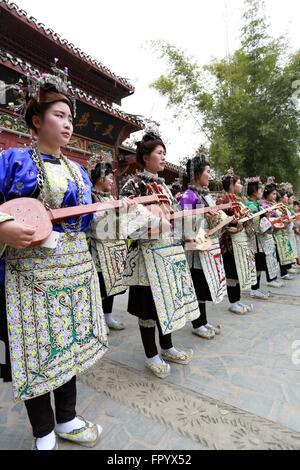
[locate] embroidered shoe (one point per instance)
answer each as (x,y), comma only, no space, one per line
(181,357)
(215,329)
(259,294)
(116,325)
(248,308)
(87,436)
(204,333)
(288,277)
(266,292)
(293,271)
(34,445)
(238,309)
(162,371)
(277,284)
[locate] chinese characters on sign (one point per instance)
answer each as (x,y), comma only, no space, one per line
(97,124)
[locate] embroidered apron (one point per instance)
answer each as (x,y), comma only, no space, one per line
(244,260)
(109,255)
(55,322)
(163,266)
(268,247)
(211,261)
(284,247)
(171,284)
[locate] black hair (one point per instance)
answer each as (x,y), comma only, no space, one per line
(147,145)
(253,187)
(176,188)
(195,167)
(228,180)
(100,171)
(48,97)
(269,189)
(290,194)
(282,193)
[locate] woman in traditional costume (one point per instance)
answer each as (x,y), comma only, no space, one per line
(270,197)
(161,292)
(108,254)
(285,247)
(262,241)
(296,206)
(52,318)
(176,190)
(207,269)
(291,226)
(238,255)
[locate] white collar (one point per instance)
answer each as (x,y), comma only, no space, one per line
(150,175)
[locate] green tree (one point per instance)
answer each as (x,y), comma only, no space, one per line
(245,103)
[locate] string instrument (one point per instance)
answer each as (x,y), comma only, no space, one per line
(239,210)
(203,239)
(170,214)
(32,212)
(279,222)
(260,213)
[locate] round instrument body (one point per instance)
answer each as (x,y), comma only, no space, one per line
(232,230)
(203,242)
(30,212)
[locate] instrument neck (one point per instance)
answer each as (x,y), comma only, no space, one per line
(71,212)
(200,211)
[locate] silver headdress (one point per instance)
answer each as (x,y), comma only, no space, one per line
(36,82)
(98,157)
(253,179)
(229,174)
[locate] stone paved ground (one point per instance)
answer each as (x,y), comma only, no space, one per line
(240,391)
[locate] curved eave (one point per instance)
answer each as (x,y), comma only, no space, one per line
(22,67)
(63,44)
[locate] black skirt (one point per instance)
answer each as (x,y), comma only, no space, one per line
(200,284)
(260,262)
(141,303)
(103,288)
(5,368)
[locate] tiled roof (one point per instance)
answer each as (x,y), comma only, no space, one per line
(77,92)
(65,43)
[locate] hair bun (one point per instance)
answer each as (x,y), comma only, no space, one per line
(149,136)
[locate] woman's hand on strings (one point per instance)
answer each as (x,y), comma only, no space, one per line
(210,214)
(128,203)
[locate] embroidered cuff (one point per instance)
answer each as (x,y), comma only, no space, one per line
(4,218)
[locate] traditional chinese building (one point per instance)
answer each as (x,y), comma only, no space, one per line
(27,46)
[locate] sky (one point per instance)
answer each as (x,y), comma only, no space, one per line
(115,32)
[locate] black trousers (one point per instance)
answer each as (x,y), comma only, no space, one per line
(261,265)
(234,293)
(202,320)
(148,339)
(284,269)
(40,412)
(107,304)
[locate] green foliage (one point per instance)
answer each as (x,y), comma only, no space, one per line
(246,101)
